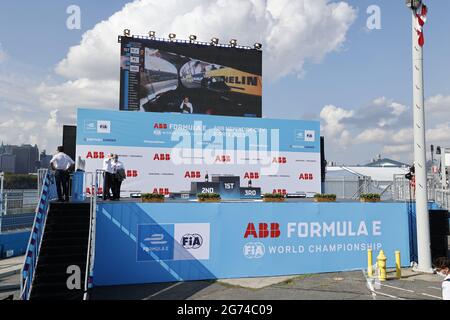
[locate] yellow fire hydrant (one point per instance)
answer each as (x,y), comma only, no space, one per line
(369,263)
(381,263)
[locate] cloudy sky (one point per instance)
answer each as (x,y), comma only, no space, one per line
(321,61)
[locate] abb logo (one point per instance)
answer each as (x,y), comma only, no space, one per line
(162,157)
(164,191)
(99,190)
(132,173)
(160,126)
(280,160)
(263,230)
(95,155)
(192,175)
(251,175)
(306,176)
(281,191)
(224,158)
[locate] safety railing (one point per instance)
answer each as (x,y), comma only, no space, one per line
(95,179)
(48,193)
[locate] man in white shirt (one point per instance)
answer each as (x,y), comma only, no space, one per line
(108,178)
(442,266)
(186,106)
(62,163)
(118,176)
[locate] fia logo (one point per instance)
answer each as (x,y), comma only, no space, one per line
(254,250)
(310,136)
(192,241)
(103,126)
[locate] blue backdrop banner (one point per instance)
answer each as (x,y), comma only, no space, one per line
(146,243)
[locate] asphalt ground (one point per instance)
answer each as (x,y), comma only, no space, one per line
(349,285)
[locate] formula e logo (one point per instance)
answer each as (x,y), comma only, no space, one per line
(254,250)
(90,125)
(157,238)
(192,241)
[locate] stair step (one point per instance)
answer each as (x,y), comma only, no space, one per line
(58,249)
(67,226)
(59,268)
(55,278)
(56,258)
(66,220)
(60,295)
(82,241)
(77,233)
(56,291)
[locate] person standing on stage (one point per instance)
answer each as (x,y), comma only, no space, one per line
(108,177)
(186,106)
(62,163)
(118,176)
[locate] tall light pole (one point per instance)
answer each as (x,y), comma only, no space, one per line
(422,218)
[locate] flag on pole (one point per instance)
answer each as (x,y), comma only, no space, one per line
(421,19)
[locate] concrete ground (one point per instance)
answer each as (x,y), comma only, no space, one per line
(10,277)
(350,285)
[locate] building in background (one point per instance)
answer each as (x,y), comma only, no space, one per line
(26,158)
(7,163)
(348,182)
(386,163)
(44,160)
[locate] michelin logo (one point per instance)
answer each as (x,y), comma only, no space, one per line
(254,250)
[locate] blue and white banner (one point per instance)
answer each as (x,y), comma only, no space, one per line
(164,153)
(144,243)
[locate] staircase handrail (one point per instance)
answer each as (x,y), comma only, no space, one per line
(48,193)
(88,282)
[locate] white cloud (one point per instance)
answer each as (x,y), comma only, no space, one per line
(383,126)
(79,93)
(332,117)
(292,31)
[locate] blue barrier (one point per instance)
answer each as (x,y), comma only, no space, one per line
(13,244)
(146,243)
(78,194)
